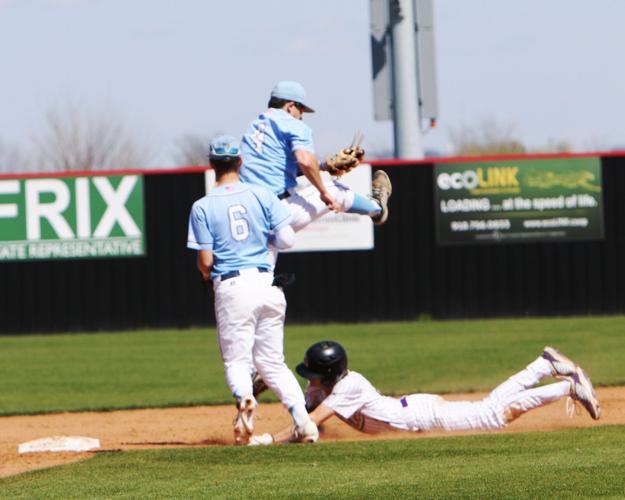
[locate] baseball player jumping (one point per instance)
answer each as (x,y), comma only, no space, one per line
(334,390)
(278,145)
(231,228)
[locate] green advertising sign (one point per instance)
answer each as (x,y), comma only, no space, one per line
(518,200)
(71,217)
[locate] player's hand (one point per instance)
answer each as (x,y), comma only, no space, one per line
(261,440)
(330,202)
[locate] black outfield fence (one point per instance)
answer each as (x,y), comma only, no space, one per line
(406,276)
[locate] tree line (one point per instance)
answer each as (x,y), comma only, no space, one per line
(73,139)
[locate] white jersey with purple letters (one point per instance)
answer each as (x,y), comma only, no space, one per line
(358,403)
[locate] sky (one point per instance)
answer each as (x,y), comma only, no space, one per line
(551,70)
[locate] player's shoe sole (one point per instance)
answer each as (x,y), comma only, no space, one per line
(562,366)
(381,190)
(244,421)
(583,391)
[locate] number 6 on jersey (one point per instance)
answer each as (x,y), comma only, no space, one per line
(239,228)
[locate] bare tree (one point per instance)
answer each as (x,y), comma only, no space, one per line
(554,146)
(492,137)
(76,140)
(192,150)
(10,159)
(488,137)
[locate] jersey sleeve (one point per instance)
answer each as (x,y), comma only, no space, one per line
(346,397)
(199,235)
(301,137)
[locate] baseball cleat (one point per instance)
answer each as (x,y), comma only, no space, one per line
(244,421)
(583,391)
(381,190)
(560,364)
(308,433)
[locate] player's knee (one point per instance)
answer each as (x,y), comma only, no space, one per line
(344,198)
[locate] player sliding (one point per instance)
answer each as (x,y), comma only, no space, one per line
(278,144)
(334,390)
(231,228)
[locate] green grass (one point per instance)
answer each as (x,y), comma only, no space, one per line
(163,368)
(568,464)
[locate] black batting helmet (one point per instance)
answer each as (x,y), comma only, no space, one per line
(325,361)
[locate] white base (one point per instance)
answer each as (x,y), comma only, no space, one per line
(59,443)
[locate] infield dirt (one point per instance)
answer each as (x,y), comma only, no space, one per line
(212,426)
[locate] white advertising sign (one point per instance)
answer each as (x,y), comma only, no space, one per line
(341,231)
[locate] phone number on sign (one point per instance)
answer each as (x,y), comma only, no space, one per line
(480,225)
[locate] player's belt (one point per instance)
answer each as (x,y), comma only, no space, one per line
(284,195)
(404,402)
(234,274)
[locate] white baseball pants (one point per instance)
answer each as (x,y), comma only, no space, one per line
(306,206)
(250,330)
(509,400)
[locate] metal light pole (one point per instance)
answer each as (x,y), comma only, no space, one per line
(404,70)
(405,100)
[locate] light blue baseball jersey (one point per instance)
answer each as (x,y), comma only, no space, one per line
(268,149)
(234,221)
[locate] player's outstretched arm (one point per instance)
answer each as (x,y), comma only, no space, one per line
(318,416)
(321,414)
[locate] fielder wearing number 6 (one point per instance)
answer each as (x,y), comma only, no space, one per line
(231,228)
(334,390)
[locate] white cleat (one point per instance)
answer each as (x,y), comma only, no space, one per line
(583,391)
(561,365)
(244,421)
